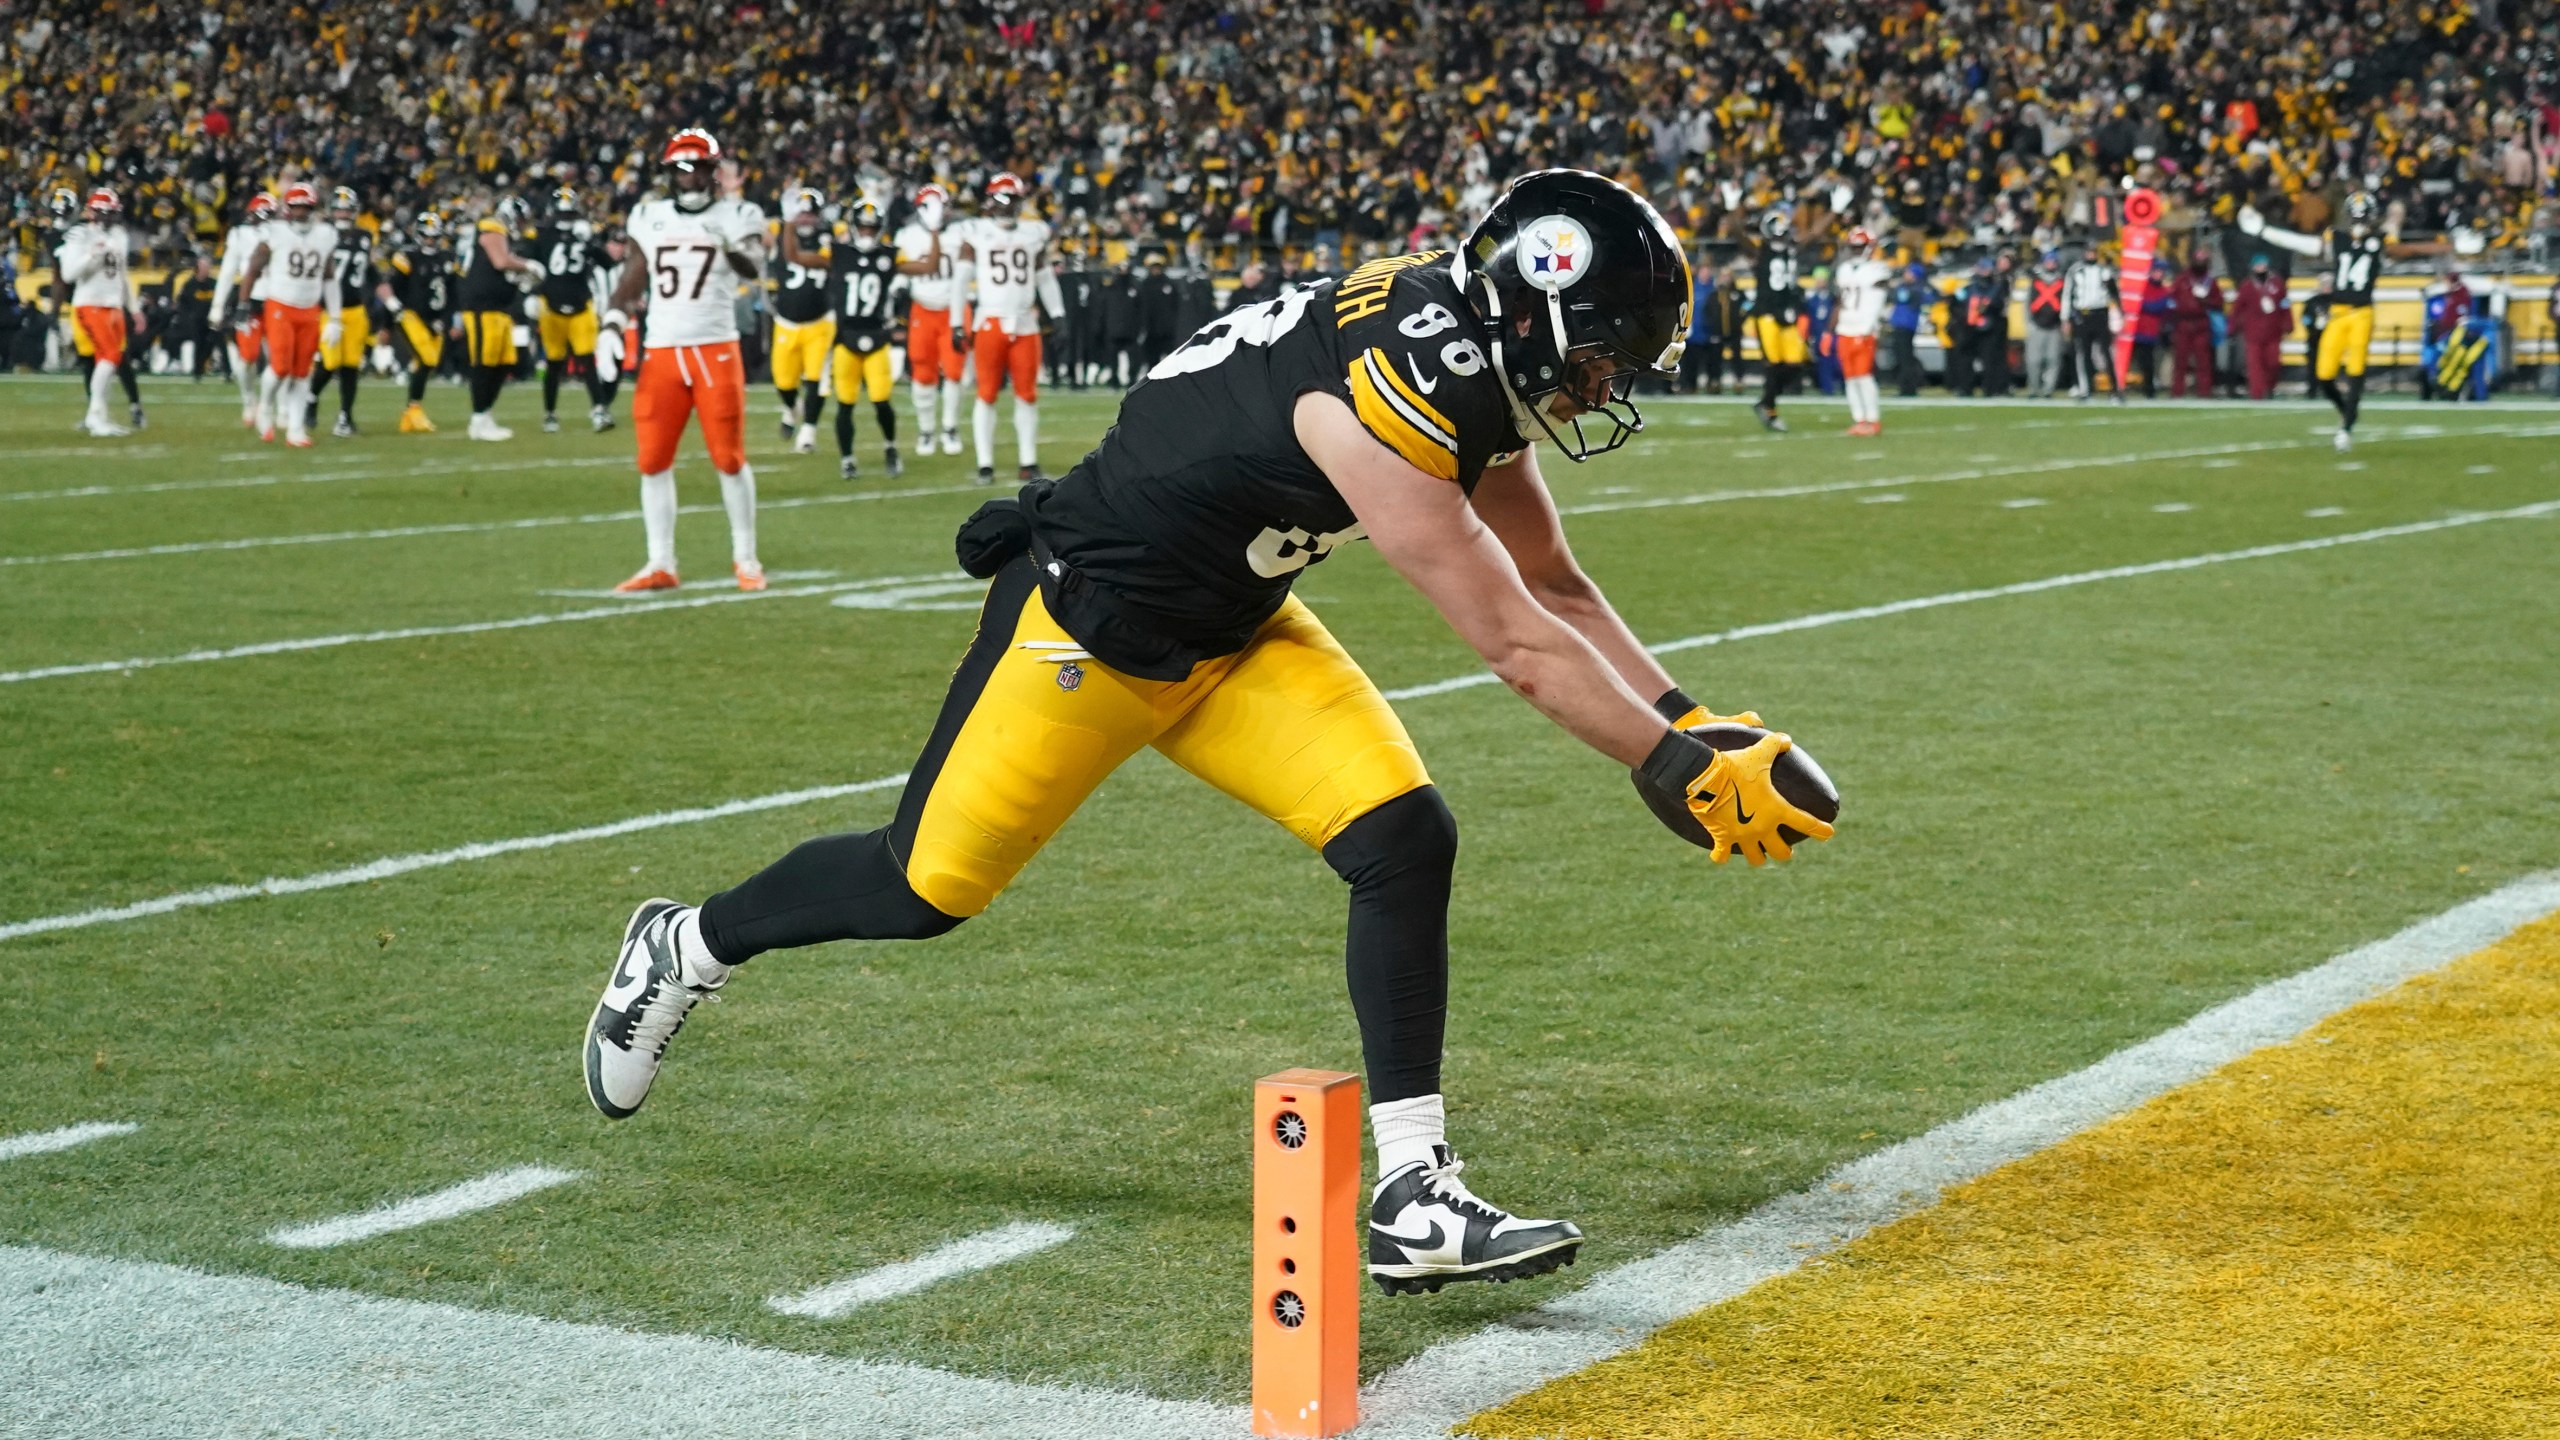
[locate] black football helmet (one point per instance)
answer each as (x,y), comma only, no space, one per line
(1581,287)
(565,204)
(2364,211)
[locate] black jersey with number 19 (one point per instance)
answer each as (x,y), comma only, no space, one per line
(1181,533)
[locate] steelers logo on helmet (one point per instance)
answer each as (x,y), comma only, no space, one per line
(1555,252)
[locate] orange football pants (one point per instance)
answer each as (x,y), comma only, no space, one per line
(1857,356)
(931,357)
(104,325)
(293,339)
(1001,356)
(678,381)
(250,335)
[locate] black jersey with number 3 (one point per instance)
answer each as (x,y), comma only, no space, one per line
(860,279)
(1175,539)
(2352,271)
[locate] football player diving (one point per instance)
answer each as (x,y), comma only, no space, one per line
(2355,258)
(1144,599)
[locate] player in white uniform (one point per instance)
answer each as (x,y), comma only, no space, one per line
(688,252)
(1004,282)
(96,261)
(248,338)
(1861,283)
(927,254)
(302,309)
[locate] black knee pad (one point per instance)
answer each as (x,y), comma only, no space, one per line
(1412,835)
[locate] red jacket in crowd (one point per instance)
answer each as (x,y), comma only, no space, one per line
(2259,311)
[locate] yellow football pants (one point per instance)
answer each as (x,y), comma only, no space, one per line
(425,341)
(566,335)
(355,339)
(1781,343)
(2346,343)
(489,337)
(859,375)
(800,352)
(1290,726)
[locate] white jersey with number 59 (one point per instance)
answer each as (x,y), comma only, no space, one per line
(1009,261)
(683,255)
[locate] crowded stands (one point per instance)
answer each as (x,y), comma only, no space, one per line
(1320,132)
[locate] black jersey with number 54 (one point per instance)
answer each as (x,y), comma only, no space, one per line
(1176,538)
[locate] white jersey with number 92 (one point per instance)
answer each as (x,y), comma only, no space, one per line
(692,290)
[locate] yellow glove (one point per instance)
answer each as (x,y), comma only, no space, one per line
(1687,714)
(1724,800)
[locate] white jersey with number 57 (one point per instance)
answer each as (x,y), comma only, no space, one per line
(692,289)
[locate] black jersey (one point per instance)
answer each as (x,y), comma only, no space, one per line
(484,285)
(1777,290)
(422,281)
(804,293)
(351,264)
(193,295)
(570,260)
(1181,533)
(861,279)
(2353,268)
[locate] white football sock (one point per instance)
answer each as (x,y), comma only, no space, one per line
(658,518)
(102,386)
(924,414)
(1026,430)
(297,403)
(738,493)
(247,377)
(982,422)
(951,404)
(1407,1131)
(695,964)
(268,384)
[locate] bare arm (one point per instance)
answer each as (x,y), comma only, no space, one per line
(500,253)
(626,289)
(794,254)
(931,263)
(1513,502)
(1426,530)
(256,267)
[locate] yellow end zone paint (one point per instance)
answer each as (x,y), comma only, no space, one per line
(2354,1233)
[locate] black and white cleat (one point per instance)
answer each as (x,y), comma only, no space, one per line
(645,1002)
(1427,1230)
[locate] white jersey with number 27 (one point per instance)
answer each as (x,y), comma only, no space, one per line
(693,291)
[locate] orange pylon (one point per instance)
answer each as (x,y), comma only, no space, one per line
(1306,1253)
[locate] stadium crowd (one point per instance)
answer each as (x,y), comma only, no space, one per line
(1321,130)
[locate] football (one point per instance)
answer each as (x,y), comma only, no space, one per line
(1797,775)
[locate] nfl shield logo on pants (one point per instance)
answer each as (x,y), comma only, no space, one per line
(1070,675)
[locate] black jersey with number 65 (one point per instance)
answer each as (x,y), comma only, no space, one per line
(1177,537)
(570,260)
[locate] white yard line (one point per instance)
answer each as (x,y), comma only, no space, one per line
(1820,619)
(45,1142)
(193,1354)
(316,477)
(471,627)
(459,527)
(391,865)
(1445,1384)
(2210,454)
(982,1251)
(403,864)
(484,1193)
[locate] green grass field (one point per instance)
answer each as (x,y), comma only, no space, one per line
(2071,819)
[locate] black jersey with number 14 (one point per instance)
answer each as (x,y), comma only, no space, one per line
(1175,539)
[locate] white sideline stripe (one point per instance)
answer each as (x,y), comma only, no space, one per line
(2054,466)
(1450,1381)
(1823,618)
(155,1352)
(45,1142)
(486,1192)
(317,477)
(191,1354)
(982,1251)
(458,527)
(391,865)
(468,627)
(403,864)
